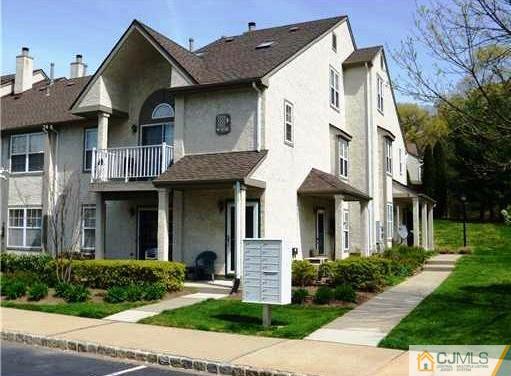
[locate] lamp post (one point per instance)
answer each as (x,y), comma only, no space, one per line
(464,202)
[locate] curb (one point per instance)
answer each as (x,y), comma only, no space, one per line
(162,359)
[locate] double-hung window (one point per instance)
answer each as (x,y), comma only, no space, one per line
(343,157)
(346,229)
(88,227)
(401,162)
(379,90)
(390,220)
(388,156)
(90,141)
(288,122)
(24,228)
(27,152)
(334,88)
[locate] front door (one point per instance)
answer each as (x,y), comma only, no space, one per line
(251,230)
(147,233)
(320,231)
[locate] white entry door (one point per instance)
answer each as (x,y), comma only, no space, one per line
(251,230)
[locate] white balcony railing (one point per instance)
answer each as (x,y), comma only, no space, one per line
(133,162)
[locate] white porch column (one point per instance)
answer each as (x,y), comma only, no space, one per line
(424,223)
(415,209)
(364,228)
(103,130)
(239,224)
(431,231)
(163,224)
(338,214)
(177,226)
(99,252)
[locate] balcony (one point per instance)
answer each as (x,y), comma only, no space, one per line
(130,163)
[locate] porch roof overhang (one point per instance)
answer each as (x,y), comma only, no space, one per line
(215,170)
(401,191)
(320,183)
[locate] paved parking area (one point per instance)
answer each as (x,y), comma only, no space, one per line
(23,360)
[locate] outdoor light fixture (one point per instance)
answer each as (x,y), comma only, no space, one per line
(134,128)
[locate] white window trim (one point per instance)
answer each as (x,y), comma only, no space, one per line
(379,93)
(388,156)
(390,220)
(26,153)
(333,87)
(83,228)
(24,227)
(346,230)
(291,123)
(341,157)
(85,150)
(165,106)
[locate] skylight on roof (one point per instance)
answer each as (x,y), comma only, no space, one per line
(293,29)
(228,39)
(264,45)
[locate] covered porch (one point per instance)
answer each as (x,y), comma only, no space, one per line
(413,214)
(334,217)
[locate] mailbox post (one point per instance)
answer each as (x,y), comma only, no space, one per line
(266,274)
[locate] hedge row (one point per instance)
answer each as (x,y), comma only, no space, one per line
(362,273)
(100,273)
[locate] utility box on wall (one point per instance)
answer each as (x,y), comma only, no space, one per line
(266,272)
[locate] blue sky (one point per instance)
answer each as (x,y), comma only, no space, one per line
(56,30)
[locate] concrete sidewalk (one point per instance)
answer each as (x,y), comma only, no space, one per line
(226,351)
(370,322)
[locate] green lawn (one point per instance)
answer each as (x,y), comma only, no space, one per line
(87,309)
(233,316)
(473,306)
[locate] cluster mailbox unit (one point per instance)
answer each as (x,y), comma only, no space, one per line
(266,272)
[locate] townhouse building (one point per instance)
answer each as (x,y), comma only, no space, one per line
(289,132)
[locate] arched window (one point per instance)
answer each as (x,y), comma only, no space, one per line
(163,111)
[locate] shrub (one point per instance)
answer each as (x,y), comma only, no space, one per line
(76,294)
(37,291)
(323,295)
(325,270)
(411,257)
(108,273)
(14,289)
(116,294)
(303,273)
(61,289)
(40,265)
(465,250)
(299,296)
(134,293)
(345,293)
(361,273)
(154,291)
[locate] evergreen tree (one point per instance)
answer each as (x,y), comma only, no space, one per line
(440,186)
(428,172)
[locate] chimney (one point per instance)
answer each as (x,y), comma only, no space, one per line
(251,26)
(24,72)
(78,67)
(190,44)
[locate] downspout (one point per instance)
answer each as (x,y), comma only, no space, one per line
(369,148)
(258,118)
(51,178)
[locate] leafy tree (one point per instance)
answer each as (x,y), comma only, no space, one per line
(440,185)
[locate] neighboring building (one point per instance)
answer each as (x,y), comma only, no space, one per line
(414,164)
(288,132)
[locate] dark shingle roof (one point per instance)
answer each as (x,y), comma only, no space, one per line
(236,58)
(33,107)
(211,168)
(319,182)
(411,148)
(10,77)
(362,55)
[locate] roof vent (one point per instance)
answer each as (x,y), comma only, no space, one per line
(228,39)
(264,45)
(293,29)
(251,26)
(190,44)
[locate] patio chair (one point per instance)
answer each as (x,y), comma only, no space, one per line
(205,265)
